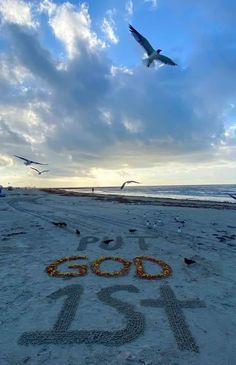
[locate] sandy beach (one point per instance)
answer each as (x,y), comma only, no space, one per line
(186,316)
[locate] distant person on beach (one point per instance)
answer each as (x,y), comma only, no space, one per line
(92,190)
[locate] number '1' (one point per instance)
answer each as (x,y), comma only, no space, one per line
(60,333)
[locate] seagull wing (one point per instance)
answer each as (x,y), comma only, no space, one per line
(38,163)
(132,181)
(123,185)
(45,171)
(22,158)
(141,40)
(166,60)
(35,169)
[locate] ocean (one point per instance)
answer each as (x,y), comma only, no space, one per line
(191,192)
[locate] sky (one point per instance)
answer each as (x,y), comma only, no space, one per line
(74,92)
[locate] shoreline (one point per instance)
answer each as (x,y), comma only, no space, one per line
(145,200)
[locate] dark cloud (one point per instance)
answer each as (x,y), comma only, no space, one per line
(28,50)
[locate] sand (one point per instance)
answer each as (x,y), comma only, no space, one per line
(187,318)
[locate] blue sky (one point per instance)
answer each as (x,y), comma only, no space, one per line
(75,93)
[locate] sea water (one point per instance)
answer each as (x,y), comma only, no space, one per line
(191,192)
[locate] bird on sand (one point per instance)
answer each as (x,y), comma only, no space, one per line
(179,221)
(108,241)
(151,52)
(29,162)
(128,182)
(39,172)
(189,261)
(60,224)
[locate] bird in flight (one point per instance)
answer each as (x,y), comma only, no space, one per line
(151,52)
(29,162)
(39,172)
(128,182)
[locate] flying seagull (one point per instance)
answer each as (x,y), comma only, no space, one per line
(39,172)
(152,54)
(128,182)
(29,162)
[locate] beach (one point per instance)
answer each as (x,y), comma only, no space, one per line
(185,316)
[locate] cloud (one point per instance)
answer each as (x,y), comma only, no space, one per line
(9,136)
(129,9)
(152,2)
(71,25)
(91,115)
(5,161)
(17,12)
(109,27)
(47,6)
(166,115)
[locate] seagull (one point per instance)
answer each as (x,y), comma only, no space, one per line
(148,224)
(152,54)
(179,221)
(189,261)
(39,172)
(128,182)
(60,224)
(29,162)
(107,241)
(233,196)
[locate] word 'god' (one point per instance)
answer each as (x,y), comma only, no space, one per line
(138,261)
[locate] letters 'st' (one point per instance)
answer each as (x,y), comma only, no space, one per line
(173,308)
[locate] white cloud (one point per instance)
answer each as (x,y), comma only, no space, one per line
(153,3)
(17,12)
(129,8)
(120,69)
(47,6)
(5,161)
(109,27)
(71,25)
(106,116)
(231,131)
(21,124)
(133,126)
(14,73)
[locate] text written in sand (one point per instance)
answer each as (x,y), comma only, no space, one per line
(134,320)
(141,273)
